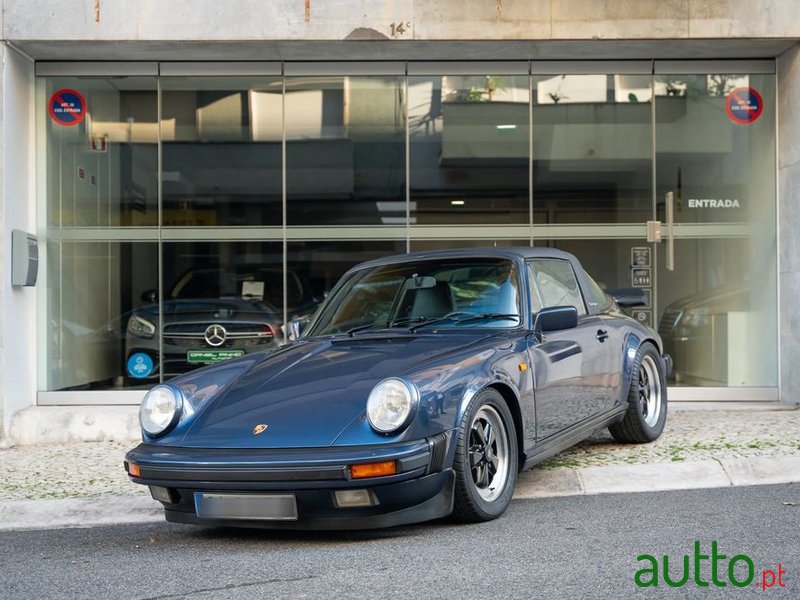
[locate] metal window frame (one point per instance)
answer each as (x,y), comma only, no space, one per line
(702,67)
(344,68)
(475,67)
(220,69)
(591,67)
(95,69)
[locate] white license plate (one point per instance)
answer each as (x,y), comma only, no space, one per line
(264,507)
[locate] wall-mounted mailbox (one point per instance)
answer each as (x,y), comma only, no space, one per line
(24,258)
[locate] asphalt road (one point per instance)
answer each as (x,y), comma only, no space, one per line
(574,547)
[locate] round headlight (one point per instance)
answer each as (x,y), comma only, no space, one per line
(160,409)
(390,404)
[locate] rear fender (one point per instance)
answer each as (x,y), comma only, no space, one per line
(630,349)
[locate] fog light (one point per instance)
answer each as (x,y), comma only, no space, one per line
(377,469)
(353,498)
(133,470)
(161,494)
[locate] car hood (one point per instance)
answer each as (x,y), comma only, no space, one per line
(308,393)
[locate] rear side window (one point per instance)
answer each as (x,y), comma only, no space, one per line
(595,295)
(557,284)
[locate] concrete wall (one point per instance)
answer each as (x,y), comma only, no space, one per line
(789,221)
(398,19)
(3,255)
(17,202)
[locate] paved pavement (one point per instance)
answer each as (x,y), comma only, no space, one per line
(80,484)
(569,547)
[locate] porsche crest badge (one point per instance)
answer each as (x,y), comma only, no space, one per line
(260,428)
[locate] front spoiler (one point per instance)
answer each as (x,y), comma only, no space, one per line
(421,490)
(414,501)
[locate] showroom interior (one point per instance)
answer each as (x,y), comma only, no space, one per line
(193,192)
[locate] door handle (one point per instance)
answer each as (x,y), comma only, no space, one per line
(601,335)
(668,201)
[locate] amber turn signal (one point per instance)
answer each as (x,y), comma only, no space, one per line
(133,470)
(378,469)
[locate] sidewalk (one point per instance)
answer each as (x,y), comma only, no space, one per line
(84,484)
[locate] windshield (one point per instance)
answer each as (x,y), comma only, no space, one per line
(468,292)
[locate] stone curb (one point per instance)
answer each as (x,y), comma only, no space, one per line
(64,513)
(538,483)
(658,477)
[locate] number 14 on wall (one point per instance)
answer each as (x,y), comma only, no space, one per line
(400,28)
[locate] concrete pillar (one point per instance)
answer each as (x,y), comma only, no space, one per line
(789,217)
(17,211)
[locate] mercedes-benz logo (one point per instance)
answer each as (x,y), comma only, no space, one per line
(215,335)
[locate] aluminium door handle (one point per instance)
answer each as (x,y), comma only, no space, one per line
(601,335)
(668,201)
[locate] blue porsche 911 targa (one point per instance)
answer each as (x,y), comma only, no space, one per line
(420,389)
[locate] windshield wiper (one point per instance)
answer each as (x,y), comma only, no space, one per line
(350,332)
(424,321)
(462,317)
(490,317)
(414,323)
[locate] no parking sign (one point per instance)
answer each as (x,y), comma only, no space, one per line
(67,107)
(744,105)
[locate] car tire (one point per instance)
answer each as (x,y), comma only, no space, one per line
(486,460)
(647,399)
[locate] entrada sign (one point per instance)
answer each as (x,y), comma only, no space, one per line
(713,203)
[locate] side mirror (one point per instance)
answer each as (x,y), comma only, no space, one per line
(555,318)
(295,328)
(150,296)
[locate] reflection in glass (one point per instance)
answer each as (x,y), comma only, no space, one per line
(717,308)
(345,150)
(323,263)
(592,149)
(221,140)
(718,170)
(93,292)
(469,157)
(100,171)
(469,149)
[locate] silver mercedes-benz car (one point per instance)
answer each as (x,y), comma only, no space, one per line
(213,314)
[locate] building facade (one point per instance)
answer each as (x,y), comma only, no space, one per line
(193,176)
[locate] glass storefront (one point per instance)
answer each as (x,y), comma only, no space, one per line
(190,214)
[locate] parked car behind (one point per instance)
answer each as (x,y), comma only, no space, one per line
(694,331)
(213,314)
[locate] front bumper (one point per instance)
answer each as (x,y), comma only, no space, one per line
(421,490)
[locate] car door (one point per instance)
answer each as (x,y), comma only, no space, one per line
(571,367)
(611,326)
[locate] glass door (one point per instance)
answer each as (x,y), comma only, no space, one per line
(661,176)
(715,190)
